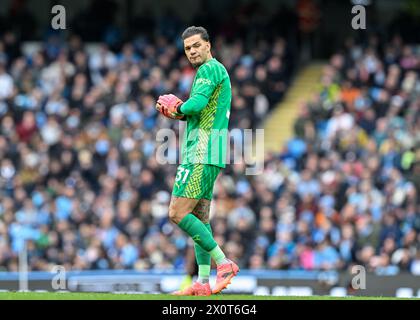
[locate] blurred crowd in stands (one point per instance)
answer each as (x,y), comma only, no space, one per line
(348,183)
(79,179)
(81,186)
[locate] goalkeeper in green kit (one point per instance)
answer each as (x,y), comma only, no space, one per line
(203,156)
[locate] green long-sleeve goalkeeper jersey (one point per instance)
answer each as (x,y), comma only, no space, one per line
(208,111)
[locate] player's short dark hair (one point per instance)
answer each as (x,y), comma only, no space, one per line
(193,30)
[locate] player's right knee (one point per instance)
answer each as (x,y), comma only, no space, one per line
(179,208)
(174,215)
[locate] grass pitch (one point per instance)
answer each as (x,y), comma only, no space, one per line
(122,296)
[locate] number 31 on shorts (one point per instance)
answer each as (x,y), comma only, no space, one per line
(179,175)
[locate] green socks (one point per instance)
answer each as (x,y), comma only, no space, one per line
(203,260)
(218,255)
(191,225)
(203,273)
(202,237)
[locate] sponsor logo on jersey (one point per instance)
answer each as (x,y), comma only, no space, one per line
(204,81)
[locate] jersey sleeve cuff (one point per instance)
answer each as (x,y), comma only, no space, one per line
(178,109)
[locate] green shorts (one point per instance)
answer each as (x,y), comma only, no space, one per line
(195,181)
